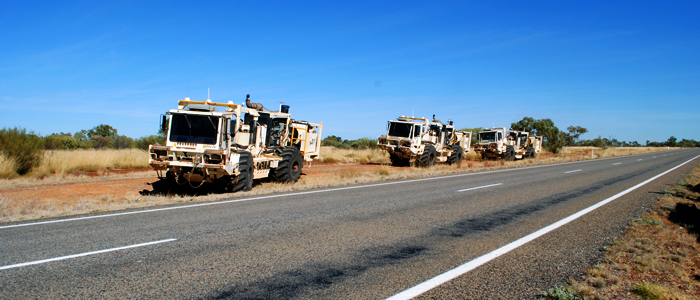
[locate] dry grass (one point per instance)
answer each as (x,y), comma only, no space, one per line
(7,167)
(659,255)
(611,152)
(337,155)
(59,162)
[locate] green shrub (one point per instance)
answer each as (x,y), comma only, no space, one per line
(143,142)
(650,291)
(560,293)
(364,143)
(23,147)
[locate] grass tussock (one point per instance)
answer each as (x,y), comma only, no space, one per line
(8,167)
(659,255)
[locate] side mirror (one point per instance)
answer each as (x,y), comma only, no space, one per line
(164,124)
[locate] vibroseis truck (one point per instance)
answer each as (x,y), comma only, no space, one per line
(510,145)
(233,146)
(424,141)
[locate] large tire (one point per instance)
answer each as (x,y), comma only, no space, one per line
(429,156)
(289,169)
(529,152)
(456,155)
(244,180)
(510,153)
(398,161)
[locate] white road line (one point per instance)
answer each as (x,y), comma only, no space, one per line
(572,171)
(479,187)
(664,154)
(83,254)
(473,264)
(639,159)
(293,194)
(654,157)
(617,164)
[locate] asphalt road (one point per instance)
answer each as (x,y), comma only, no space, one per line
(357,242)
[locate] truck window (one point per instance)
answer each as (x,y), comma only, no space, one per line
(399,129)
(487,136)
(194,129)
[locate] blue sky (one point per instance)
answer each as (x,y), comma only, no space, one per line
(628,70)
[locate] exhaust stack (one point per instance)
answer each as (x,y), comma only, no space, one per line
(249,104)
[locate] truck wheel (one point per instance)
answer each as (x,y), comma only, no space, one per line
(244,180)
(289,169)
(530,152)
(510,153)
(428,157)
(456,155)
(397,161)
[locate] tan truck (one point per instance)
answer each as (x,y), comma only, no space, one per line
(424,142)
(499,142)
(232,145)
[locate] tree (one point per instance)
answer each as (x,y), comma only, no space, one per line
(671,141)
(576,132)
(553,140)
(687,143)
(101,130)
(331,140)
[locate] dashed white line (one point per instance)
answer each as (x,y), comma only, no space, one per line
(473,264)
(654,157)
(639,159)
(83,254)
(617,164)
(479,187)
(572,171)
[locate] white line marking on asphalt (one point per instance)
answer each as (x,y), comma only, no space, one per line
(293,194)
(479,187)
(572,171)
(617,164)
(473,264)
(654,157)
(83,254)
(664,154)
(639,159)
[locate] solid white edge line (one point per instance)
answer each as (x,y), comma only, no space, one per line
(572,171)
(83,254)
(479,187)
(300,193)
(473,264)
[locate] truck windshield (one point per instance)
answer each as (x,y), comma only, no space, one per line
(400,129)
(194,129)
(487,136)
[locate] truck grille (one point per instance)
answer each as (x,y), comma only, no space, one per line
(181,144)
